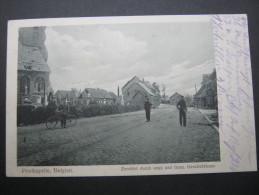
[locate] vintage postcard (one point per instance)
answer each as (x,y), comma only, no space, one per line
(115,96)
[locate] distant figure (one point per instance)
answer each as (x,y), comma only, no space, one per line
(147,107)
(62,113)
(181,105)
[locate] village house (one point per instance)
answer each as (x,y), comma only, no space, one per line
(113,95)
(137,91)
(98,96)
(165,99)
(64,97)
(33,85)
(174,99)
(206,97)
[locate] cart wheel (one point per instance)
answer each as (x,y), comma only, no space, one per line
(51,122)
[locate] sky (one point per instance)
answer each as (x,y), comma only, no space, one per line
(106,56)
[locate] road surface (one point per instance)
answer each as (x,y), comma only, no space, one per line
(121,139)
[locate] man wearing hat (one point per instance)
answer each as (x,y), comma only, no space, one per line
(62,113)
(147,107)
(181,105)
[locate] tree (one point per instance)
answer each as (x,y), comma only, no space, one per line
(74,94)
(163,89)
(156,87)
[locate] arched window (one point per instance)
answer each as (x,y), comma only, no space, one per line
(24,85)
(50,97)
(39,84)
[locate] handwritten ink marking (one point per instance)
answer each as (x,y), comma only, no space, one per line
(245,78)
(235,139)
(232,105)
(249,100)
(219,55)
(251,132)
(248,104)
(217,21)
(231,127)
(221,89)
(232,63)
(235,160)
(233,149)
(233,70)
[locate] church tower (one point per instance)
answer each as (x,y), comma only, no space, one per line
(33,70)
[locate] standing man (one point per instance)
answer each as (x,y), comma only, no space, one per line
(62,113)
(147,107)
(181,105)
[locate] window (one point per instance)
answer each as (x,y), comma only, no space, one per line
(50,97)
(39,84)
(24,85)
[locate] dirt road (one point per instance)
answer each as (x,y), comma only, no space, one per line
(121,139)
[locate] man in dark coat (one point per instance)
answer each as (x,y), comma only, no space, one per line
(181,105)
(62,113)
(147,107)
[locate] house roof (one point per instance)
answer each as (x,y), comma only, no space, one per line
(147,90)
(175,95)
(130,81)
(31,59)
(98,93)
(145,85)
(209,85)
(205,78)
(113,94)
(201,92)
(150,86)
(62,93)
(139,91)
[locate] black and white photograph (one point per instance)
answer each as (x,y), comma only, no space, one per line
(117,94)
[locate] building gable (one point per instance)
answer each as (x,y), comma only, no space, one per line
(146,89)
(139,98)
(175,95)
(135,79)
(138,93)
(131,90)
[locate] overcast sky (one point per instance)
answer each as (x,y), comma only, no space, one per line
(105,56)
